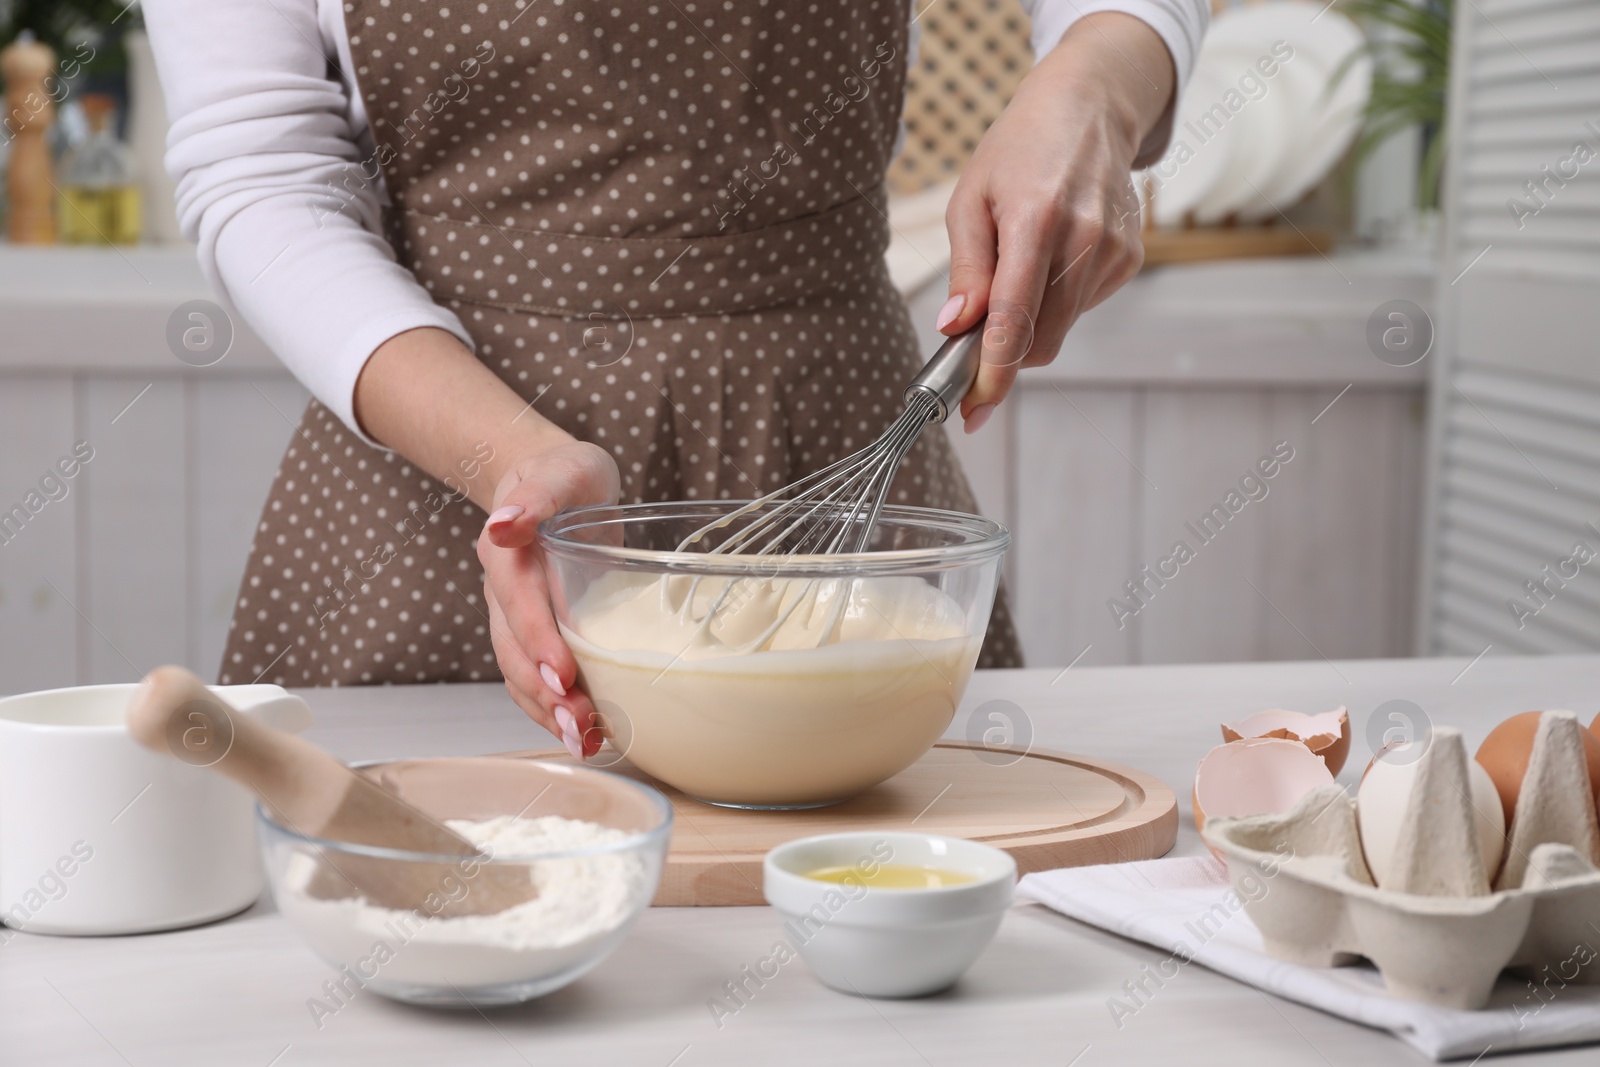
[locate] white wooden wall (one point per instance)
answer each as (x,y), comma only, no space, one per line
(139,564)
(1320,566)
(1188,377)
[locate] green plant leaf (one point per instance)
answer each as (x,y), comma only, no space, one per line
(1410,82)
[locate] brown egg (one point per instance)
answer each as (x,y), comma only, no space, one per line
(1505,753)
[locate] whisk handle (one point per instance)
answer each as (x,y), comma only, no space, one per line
(950,373)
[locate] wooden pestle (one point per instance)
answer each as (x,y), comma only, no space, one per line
(312,793)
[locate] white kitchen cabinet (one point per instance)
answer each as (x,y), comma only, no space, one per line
(1163,399)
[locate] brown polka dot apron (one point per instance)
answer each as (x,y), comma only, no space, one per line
(664,227)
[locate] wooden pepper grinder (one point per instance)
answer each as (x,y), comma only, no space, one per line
(29,113)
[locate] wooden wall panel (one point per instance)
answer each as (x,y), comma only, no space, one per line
(38,566)
(136,526)
(1075,514)
(1199,443)
(1333,553)
(1405,523)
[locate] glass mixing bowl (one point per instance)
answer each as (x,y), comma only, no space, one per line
(771,681)
(582,899)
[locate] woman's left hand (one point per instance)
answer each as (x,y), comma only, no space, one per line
(1044,223)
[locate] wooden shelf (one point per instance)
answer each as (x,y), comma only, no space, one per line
(1224,242)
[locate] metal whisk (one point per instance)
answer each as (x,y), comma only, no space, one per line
(835,509)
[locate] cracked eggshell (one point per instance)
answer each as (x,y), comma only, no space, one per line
(1509,746)
(1325,733)
(1385,793)
(1255,776)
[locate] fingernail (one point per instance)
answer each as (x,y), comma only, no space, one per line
(951,309)
(505,514)
(569,732)
(979,416)
(574,746)
(565,720)
(552,679)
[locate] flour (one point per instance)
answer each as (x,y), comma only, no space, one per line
(578,898)
(582,903)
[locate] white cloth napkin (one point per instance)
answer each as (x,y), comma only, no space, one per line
(1163,902)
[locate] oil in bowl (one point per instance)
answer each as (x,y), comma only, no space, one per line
(890,913)
(892,876)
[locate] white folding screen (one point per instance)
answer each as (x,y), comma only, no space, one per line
(1512,546)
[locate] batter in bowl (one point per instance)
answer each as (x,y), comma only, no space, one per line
(772,692)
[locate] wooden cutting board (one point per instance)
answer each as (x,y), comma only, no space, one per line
(1048,809)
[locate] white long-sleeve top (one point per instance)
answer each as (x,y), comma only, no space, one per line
(266,117)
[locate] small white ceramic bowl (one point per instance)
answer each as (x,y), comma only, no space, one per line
(882,942)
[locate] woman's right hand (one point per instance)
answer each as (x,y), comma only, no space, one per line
(540,673)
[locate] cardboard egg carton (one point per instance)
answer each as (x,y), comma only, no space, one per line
(1448,933)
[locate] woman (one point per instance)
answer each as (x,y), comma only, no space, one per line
(559,253)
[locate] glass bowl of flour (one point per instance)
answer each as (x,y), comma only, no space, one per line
(592,844)
(771,681)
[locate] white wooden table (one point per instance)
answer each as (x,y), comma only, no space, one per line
(236,992)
